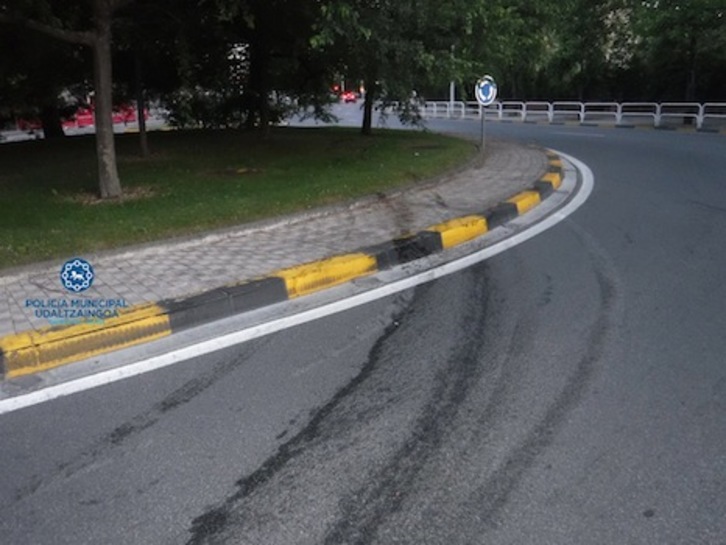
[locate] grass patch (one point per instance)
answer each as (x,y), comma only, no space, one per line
(196,181)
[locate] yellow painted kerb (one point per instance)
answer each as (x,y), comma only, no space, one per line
(317,275)
(460,230)
(42,349)
(524,201)
(555,178)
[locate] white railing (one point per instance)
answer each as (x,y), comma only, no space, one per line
(662,114)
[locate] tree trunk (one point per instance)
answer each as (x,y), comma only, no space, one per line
(690,94)
(99,40)
(370,97)
(257,90)
(108,179)
(51,121)
(140,106)
(692,59)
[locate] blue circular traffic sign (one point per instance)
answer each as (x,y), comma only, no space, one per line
(485,90)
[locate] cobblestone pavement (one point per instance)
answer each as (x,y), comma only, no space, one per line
(183,267)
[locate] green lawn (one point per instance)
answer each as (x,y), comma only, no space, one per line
(195,181)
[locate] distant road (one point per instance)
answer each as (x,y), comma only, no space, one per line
(152,124)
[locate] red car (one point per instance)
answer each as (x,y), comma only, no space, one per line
(349,96)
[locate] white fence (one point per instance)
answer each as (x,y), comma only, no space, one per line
(619,113)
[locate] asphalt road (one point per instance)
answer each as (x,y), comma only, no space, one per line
(571,390)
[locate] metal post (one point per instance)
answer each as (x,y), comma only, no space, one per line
(485,92)
(483,116)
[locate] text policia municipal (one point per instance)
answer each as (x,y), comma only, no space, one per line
(76,308)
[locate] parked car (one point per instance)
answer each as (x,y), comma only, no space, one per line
(349,96)
(29,124)
(85,117)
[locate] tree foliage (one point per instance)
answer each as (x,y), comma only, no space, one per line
(682,48)
(246,63)
(394,47)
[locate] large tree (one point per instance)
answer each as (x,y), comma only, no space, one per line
(682,47)
(395,46)
(275,59)
(151,43)
(90,27)
(237,63)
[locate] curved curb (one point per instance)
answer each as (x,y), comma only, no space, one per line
(39,350)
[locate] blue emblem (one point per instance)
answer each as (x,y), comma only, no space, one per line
(77,275)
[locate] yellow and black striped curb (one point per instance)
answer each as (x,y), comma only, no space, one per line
(43,349)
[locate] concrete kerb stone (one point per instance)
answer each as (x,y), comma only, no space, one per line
(36,351)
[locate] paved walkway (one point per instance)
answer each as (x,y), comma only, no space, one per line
(183,267)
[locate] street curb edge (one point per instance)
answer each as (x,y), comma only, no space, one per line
(40,350)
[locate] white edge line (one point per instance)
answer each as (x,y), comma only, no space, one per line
(237,337)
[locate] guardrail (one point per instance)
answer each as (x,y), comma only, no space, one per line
(661,114)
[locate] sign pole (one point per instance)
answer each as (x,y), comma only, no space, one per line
(485,92)
(483,128)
